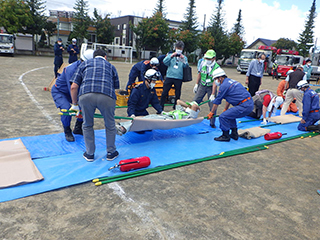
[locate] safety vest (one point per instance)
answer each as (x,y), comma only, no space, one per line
(275,66)
(176,114)
(206,78)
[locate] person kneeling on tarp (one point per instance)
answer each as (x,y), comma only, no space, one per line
(236,94)
(310,113)
(143,95)
(184,110)
(265,100)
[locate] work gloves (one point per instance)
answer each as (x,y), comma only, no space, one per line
(195,88)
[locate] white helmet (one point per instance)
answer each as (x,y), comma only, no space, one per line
(218,73)
(302,84)
(88,54)
(74,40)
(154,61)
(152,75)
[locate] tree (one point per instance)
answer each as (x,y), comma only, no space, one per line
(236,42)
(160,8)
(82,20)
(151,33)
(238,28)
(189,28)
(306,37)
(217,31)
(14,15)
(38,20)
(285,43)
(104,29)
(206,41)
(50,29)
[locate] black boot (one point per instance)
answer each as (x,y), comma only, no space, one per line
(315,128)
(78,128)
(68,134)
(225,137)
(234,133)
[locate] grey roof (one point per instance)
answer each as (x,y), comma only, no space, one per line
(267,42)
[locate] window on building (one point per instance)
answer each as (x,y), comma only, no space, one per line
(117,41)
(124,26)
(123,41)
(118,27)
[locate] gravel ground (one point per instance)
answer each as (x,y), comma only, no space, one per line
(269,194)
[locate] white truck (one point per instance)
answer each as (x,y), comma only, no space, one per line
(7,44)
(247,55)
(315,58)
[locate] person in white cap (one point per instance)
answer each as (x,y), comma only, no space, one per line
(310,114)
(73,51)
(61,95)
(237,95)
(140,68)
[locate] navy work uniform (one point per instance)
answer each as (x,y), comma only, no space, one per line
(61,91)
(234,93)
(73,55)
(139,100)
(310,112)
(58,60)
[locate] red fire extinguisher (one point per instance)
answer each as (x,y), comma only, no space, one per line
(274,135)
(132,163)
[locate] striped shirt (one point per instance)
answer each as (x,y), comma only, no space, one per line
(96,76)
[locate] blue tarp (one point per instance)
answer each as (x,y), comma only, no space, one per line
(61,163)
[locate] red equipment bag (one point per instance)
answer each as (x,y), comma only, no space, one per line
(132,164)
(271,136)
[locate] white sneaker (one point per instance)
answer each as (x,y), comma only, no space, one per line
(120,129)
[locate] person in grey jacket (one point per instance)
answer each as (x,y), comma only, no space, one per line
(175,61)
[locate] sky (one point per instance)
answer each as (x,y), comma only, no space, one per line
(269,19)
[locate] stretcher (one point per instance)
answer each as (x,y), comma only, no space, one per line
(143,124)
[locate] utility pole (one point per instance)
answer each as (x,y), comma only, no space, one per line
(58,23)
(204,23)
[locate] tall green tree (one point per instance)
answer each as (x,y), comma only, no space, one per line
(37,9)
(14,16)
(189,28)
(236,42)
(218,32)
(82,20)
(285,43)
(160,8)
(104,28)
(238,27)
(151,33)
(306,37)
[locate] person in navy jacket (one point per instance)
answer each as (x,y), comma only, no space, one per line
(310,103)
(60,93)
(143,95)
(140,68)
(73,51)
(236,94)
(58,59)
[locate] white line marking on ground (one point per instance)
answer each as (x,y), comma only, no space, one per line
(38,105)
(137,209)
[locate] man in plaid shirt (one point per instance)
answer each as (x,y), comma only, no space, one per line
(96,81)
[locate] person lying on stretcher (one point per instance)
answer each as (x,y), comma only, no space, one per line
(184,110)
